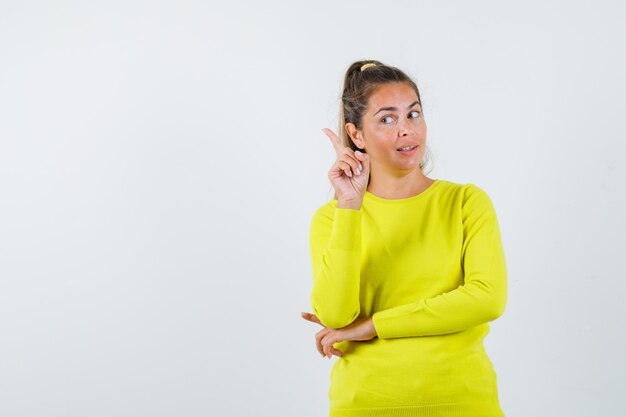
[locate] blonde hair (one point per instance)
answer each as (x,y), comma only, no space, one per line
(360,81)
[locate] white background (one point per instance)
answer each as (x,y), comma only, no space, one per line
(160,163)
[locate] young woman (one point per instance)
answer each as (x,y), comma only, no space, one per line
(407,270)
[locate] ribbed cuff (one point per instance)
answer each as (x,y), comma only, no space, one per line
(346,231)
(398,321)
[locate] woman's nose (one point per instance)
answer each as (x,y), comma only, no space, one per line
(404,128)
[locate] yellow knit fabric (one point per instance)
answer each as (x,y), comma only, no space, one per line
(431,271)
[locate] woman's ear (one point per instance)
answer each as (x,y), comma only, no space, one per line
(355,135)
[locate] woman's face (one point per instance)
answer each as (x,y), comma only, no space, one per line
(393,120)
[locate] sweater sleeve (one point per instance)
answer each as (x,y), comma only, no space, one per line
(335,245)
(481,298)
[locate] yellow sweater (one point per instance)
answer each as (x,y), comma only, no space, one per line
(431,271)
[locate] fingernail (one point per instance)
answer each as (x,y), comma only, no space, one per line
(358,153)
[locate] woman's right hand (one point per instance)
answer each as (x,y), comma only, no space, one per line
(349,174)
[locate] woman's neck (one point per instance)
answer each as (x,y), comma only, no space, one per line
(395,186)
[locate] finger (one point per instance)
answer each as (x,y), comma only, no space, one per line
(325,352)
(345,167)
(361,156)
(318,341)
(328,351)
(339,147)
(349,158)
(311,317)
(327,343)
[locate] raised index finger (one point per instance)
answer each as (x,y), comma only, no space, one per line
(334,140)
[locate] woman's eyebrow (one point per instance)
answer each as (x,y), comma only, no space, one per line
(395,108)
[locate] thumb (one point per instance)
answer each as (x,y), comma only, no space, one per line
(362,156)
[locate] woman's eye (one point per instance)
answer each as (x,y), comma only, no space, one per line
(387,119)
(414,114)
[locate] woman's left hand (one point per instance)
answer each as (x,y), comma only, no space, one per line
(359,330)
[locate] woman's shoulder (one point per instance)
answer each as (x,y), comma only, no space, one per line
(472,197)
(465,190)
(469,196)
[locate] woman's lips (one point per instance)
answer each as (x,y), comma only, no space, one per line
(411,152)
